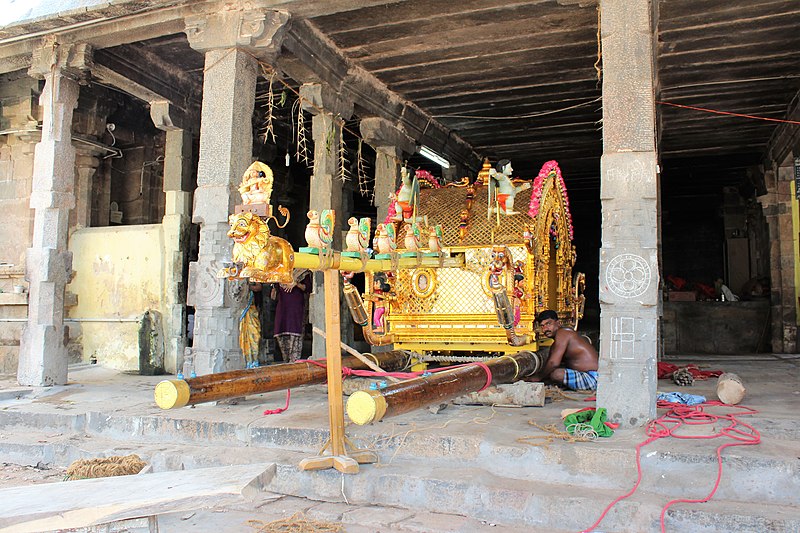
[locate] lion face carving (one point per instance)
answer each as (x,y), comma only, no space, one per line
(266,259)
(246,230)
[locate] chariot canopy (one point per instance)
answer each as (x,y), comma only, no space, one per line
(451,308)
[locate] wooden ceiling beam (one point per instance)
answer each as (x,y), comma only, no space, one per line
(320,56)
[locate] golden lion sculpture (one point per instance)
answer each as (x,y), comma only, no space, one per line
(257,254)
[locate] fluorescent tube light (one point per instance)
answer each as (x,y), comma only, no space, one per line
(424,151)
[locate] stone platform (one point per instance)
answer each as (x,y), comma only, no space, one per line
(462,469)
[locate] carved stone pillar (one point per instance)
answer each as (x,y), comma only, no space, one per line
(391,146)
(777,205)
(629,267)
(43,353)
(86,162)
(17,116)
(175,225)
(327,107)
(229,40)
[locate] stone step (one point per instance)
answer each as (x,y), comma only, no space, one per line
(416,485)
(671,467)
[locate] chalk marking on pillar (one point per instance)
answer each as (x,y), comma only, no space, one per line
(623,338)
(628,275)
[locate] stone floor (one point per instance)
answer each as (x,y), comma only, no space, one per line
(466,468)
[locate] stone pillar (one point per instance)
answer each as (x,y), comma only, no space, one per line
(629,267)
(391,146)
(17,116)
(327,107)
(43,353)
(777,205)
(229,39)
(87,161)
(175,226)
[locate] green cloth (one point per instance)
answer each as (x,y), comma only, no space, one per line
(594,417)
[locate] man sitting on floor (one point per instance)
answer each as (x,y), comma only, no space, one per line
(572,362)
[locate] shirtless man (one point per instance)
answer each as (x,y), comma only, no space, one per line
(572,361)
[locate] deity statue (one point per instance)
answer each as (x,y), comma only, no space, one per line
(502,190)
(256,187)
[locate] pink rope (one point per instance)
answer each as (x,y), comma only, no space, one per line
(282,409)
(406,375)
(741,433)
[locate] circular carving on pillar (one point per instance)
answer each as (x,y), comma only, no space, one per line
(628,275)
(209,288)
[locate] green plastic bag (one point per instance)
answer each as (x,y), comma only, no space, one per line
(593,417)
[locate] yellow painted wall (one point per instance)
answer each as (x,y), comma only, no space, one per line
(118,276)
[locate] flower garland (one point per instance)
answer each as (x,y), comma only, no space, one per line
(538,187)
(424,175)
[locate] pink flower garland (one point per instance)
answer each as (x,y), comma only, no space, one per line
(538,186)
(428,177)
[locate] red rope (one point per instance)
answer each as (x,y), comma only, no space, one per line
(485,368)
(666,426)
(282,409)
(406,375)
(729,113)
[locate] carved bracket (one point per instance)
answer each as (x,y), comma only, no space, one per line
(260,31)
(73,60)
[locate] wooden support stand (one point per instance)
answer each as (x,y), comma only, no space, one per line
(337,446)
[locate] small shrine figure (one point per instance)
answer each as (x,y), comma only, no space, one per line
(470,196)
(553,231)
(413,237)
(408,194)
(312,230)
(256,187)
(387,238)
(435,239)
(357,237)
(379,297)
(502,190)
(463,224)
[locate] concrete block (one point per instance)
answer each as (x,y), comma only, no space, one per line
(212,204)
(43,356)
(50,228)
(49,264)
(48,199)
(627,389)
(177,202)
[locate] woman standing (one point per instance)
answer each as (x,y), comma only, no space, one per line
(290,314)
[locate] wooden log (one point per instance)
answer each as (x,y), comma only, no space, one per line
(174,393)
(364,407)
(730,389)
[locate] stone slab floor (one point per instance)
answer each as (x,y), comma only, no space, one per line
(479,457)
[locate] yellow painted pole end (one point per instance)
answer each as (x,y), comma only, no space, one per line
(172,393)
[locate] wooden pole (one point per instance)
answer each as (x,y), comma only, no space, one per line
(333,355)
(364,407)
(339,457)
(173,393)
